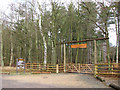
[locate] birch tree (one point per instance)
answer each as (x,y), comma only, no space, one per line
(43,36)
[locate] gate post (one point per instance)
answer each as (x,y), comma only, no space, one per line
(64,58)
(57,68)
(95,71)
(95,58)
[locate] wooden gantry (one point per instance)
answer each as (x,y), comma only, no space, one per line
(86,40)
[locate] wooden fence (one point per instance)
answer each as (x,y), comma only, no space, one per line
(49,68)
(97,69)
(107,69)
(58,68)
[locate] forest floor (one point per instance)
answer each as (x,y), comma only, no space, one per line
(114,80)
(63,80)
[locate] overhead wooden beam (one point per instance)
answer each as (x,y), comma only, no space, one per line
(86,40)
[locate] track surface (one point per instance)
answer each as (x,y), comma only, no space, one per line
(51,81)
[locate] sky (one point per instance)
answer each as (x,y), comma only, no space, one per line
(5,3)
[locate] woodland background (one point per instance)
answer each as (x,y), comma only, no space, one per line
(32,30)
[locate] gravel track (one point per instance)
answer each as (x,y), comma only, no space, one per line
(51,81)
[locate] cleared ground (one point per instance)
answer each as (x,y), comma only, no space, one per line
(51,81)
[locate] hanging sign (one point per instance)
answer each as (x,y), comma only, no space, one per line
(79,46)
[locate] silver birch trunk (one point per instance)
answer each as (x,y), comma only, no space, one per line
(117,42)
(44,41)
(43,37)
(11,51)
(116,35)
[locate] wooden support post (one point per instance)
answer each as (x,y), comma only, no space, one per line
(95,71)
(64,58)
(72,67)
(95,52)
(95,58)
(57,68)
(32,67)
(24,66)
(39,66)
(79,67)
(112,69)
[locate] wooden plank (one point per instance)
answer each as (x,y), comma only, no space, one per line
(108,73)
(41,72)
(75,68)
(79,46)
(108,70)
(61,66)
(104,67)
(108,64)
(51,68)
(4,72)
(89,68)
(82,41)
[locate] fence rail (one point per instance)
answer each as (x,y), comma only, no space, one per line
(107,69)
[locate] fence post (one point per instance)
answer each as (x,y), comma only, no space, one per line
(112,69)
(79,67)
(95,73)
(57,68)
(26,67)
(64,58)
(39,67)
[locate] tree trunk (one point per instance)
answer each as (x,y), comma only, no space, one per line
(53,54)
(11,57)
(44,41)
(36,45)
(30,48)
(117,43)
(1,44)
(77,50)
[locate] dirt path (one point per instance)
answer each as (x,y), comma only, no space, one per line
(51,81)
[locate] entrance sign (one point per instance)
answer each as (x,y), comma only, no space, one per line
(79,46)
(20,64)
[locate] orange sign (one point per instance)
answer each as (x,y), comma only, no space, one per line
(79,46)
